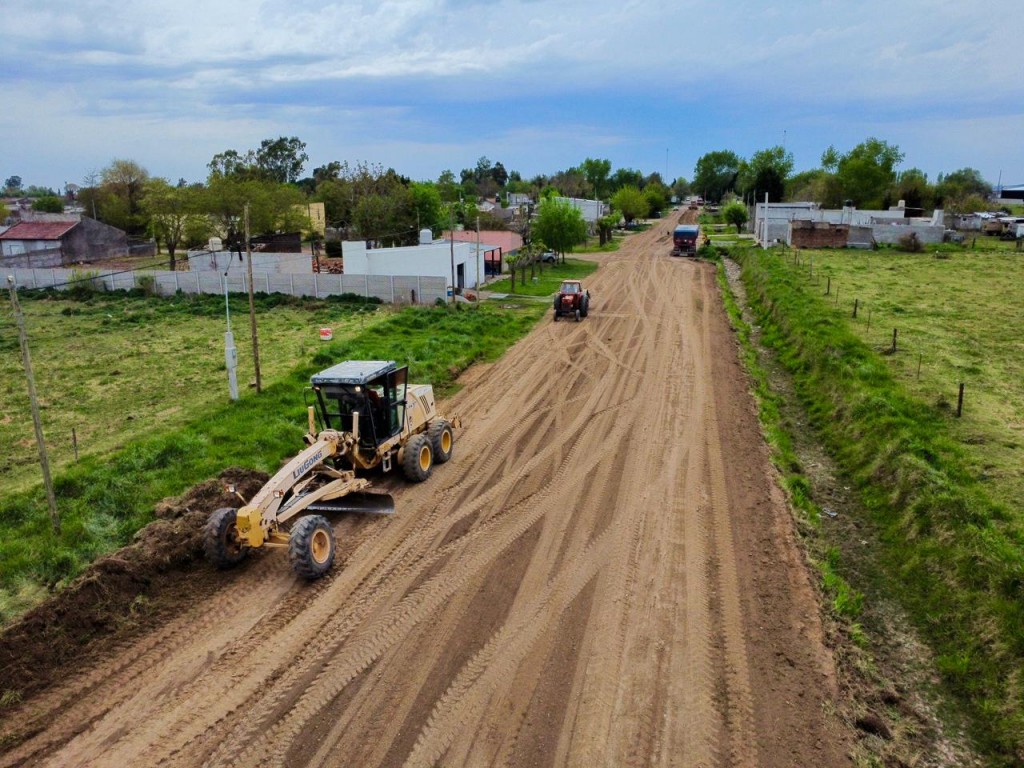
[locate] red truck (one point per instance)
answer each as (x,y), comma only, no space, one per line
(684,240)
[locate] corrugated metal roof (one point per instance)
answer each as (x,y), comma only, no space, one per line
(39,230)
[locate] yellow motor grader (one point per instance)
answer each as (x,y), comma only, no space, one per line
(370,417)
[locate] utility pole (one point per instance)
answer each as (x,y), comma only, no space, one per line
(477,259)
(252,304)
(44,461)
(451,243)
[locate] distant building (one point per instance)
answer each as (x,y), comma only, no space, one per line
(592,210)
(50,243)
(317,216)
(805,225)
(1012,194)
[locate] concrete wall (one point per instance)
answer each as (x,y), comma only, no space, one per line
(890,234)
(228,261)
(391,289)
(32,257)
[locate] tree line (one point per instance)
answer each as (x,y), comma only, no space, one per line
(866,176)
(371,202)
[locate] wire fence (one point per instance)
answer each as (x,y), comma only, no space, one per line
(882,330)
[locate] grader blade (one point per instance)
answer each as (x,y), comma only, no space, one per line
(363,503)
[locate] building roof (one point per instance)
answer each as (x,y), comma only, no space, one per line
(39,230)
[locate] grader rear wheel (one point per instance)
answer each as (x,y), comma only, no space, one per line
(311,546)
(442,440)
(418,458)
(220,539)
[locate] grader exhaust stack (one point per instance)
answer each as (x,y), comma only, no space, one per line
(370,417)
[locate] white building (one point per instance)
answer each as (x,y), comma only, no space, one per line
(772,224)
(427,260)
(592,210)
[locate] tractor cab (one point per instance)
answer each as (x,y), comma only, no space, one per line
(374,389)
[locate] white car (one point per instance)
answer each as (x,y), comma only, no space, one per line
(549,257)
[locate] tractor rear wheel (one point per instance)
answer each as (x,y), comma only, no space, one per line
(311,546)
(221,544)
(442,440)
(418,459)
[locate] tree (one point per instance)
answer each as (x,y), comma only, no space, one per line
(174,214)
(657,198)
(13,185)
(597,174)
(867,170)
(631,202)
(122,185)
(735,213)
(427,204)
(281,159)
(715,174)
(559,225)
(448,187)
(626,177)
(48,204)
(954,190)
(605,225)
(499,174)
(571,183)
(766,171)
(681,188)
(913,188)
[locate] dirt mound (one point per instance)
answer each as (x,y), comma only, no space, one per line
(107,596)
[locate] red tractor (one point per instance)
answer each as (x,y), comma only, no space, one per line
(572,300)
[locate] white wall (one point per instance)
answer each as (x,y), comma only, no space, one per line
(278,263)
(434,260)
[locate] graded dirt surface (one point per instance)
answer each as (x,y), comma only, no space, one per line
(605,574)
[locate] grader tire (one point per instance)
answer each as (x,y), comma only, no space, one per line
(442,440)
(418,458)
(220,539)
(311,546)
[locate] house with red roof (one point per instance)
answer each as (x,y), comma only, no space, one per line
(60,243)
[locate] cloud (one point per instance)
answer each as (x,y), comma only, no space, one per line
(368,77)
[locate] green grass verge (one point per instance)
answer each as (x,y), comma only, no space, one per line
(954,556)
(105,499)
(546,283)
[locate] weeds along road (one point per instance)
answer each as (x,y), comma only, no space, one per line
(605,574)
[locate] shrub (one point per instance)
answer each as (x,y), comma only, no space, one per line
(910,243)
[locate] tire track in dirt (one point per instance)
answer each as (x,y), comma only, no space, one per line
(569,590)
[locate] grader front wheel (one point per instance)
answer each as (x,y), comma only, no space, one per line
(311,546)
(220,539)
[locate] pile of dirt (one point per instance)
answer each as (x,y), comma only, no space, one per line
(107,596)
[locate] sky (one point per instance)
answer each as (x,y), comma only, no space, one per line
(428,85)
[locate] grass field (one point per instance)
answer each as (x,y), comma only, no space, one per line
(115,367)
(163,422)
(957,317)
(942,492)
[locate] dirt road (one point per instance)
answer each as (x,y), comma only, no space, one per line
(604,575)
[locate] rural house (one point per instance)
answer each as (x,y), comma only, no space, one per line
(58,243)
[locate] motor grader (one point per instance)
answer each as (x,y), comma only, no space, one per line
(370,418)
